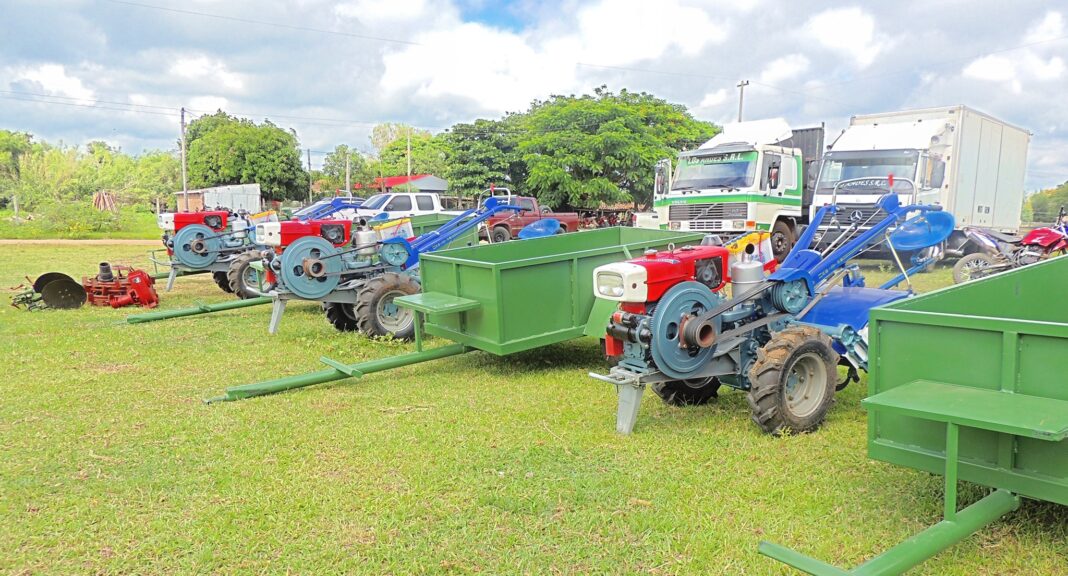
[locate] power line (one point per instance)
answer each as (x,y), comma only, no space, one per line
(262,22)
(85,106)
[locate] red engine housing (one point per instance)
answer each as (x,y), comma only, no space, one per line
(214,219)
(670,267)
(293,230)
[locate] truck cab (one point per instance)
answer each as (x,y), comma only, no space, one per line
(753,176)
(400,205)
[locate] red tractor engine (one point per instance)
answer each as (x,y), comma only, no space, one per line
(215,219)
(639,284)
(278,235)
(120,286)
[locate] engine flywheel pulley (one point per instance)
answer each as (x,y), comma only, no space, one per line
(309,268)
(688,299)
(197,246)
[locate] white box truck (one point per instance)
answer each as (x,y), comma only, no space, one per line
(752,176)
(964,160)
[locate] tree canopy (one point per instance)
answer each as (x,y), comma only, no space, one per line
(224,150)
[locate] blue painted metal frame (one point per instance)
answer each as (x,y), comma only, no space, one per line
(450,231)
(334,206)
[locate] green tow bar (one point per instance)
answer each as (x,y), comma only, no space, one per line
(165,275)
(956,526)
(340,371)
(198,309)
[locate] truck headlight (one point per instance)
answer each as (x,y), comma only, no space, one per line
(609,284)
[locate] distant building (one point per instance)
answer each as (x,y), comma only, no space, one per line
(422,182)
(235,197)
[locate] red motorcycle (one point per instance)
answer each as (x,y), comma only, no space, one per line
(998,252)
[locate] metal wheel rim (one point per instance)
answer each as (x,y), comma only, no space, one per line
(806,385)
(251,278)
(970,268)
(392,317)
(778,242)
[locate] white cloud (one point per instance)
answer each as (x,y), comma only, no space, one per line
(1049,28)
(209,104)
(992,68)
(850,32)
(207,70)
(713,99)
(53,78)
(786,68)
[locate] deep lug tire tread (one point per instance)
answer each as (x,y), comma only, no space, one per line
(236,274)
(367,303)
(766,379)
(340,318)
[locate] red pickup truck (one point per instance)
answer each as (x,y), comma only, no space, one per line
(506,225)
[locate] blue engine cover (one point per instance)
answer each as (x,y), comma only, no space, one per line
(849,306)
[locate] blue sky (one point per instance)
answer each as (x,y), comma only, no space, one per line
(118,70)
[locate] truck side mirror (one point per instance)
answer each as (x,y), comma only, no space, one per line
(661,177)
(773,176)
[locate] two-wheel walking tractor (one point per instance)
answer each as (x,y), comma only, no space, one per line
(356,275)
(779,338)
(216,241)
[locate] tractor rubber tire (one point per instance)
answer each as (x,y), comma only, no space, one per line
(782,240)
(236,276)
(799,361)
(972,267)
(341,316)
(500,234)
(374,303)
(221,281)
(694,392)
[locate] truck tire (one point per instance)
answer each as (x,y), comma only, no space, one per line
(792,381)
(377,315)
(782,240)
(500,234)
(561,230)
(221,280)
(242,278)
(973,267)
(693,392)
(341,316)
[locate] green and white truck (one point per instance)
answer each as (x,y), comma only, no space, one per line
(752,176)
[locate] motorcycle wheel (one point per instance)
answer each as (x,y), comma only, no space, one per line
(972,267)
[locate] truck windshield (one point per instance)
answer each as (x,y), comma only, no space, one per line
(375,202)
(876,165)
(734,170)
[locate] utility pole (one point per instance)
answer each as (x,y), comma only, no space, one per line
(310,183)
(409,152)
(741,97)
(185,184)
(348,174)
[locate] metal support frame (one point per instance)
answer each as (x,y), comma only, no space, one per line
(955,526)
(196,310)
(339,371)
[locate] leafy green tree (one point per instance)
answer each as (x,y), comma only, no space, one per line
(234,151)
(382,135)
(12,146)
(480,154)
(334,168)
(601,148)
(428,155)
(1043,207)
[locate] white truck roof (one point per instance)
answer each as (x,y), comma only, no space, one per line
(889,136)
(753,133)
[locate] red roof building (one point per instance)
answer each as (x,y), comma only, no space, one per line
(422,182)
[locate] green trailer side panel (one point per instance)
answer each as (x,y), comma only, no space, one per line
(532,292)
(1003,333)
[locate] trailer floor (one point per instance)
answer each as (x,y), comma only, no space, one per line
(109,463)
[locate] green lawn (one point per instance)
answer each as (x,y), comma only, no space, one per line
(133,226)
(110,463)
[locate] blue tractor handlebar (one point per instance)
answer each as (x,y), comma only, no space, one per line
(334,206)
(804,263)
(450,231)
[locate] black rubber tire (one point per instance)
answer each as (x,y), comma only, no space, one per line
(768,394)
(373,295)
(222,282)
(235,276)
(500,234)
(561,230)
(782,240)
(971,267)
(341,316)
(687,392)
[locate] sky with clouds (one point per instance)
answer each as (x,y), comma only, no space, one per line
(78,70)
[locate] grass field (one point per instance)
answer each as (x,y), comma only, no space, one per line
(134,226)
(110,463)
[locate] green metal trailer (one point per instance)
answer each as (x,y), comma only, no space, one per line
(968,382)
(499,298)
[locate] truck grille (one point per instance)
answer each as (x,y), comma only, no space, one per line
(693,212)
(845,212)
